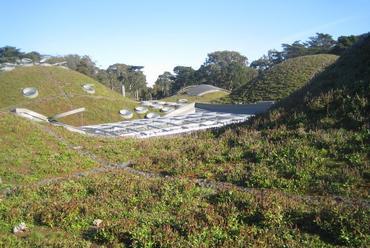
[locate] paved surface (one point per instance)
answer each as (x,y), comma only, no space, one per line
(144,128)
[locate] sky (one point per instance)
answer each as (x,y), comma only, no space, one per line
(160,34)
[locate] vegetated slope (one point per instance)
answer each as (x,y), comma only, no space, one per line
(175,211)
(285,167)
(209,97)
(61,90)
(337,97)
(282,79)
(29,154)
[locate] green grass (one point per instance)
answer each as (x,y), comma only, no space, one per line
(174,213)
(332,162)
(282,79)
(59,91)
(29,154)
(339,97)
(139,211)
(207,98)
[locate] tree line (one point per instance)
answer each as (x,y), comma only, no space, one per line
(318,44)
(230,69)
(224,69)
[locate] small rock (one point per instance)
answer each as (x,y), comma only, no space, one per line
(20,228)
(97,222)
(77,147)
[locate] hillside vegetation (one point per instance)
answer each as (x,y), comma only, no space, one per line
(40,155)
(337,97)
(61,90)
(299,179)
(282,79)
(229,188)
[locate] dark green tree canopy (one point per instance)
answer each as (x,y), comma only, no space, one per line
(321,41)
(12,54)
(130,76)
(225,58)
(163,86)
(9,54)
(343,43)
(225,69)
(184,76)
(266,61)
(319,44)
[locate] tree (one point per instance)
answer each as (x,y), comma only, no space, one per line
(103,77)
(272,58)
(225,69)
(262,63)
(146,93)
(12,55)
(86,66)
(321,43)
(225,58)
(184,76)
(9,54)
(293,50)
(343,43)
(163,85)
(131,77)
(35,56)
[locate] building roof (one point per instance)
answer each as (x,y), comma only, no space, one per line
(200,90)
(144,128)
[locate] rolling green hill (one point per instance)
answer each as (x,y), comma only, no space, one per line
(282,79)
(337,97)
(61,90)
(232,187)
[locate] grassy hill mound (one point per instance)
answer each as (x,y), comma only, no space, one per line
(337,97)
(210,97)
(282,79)
(61,90)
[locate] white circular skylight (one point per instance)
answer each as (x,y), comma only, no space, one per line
(30,92)
(126,114)
(89,88)
(141,110)
(152,115)
(146,103)
(183,100)
(157,106)
(167,109)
